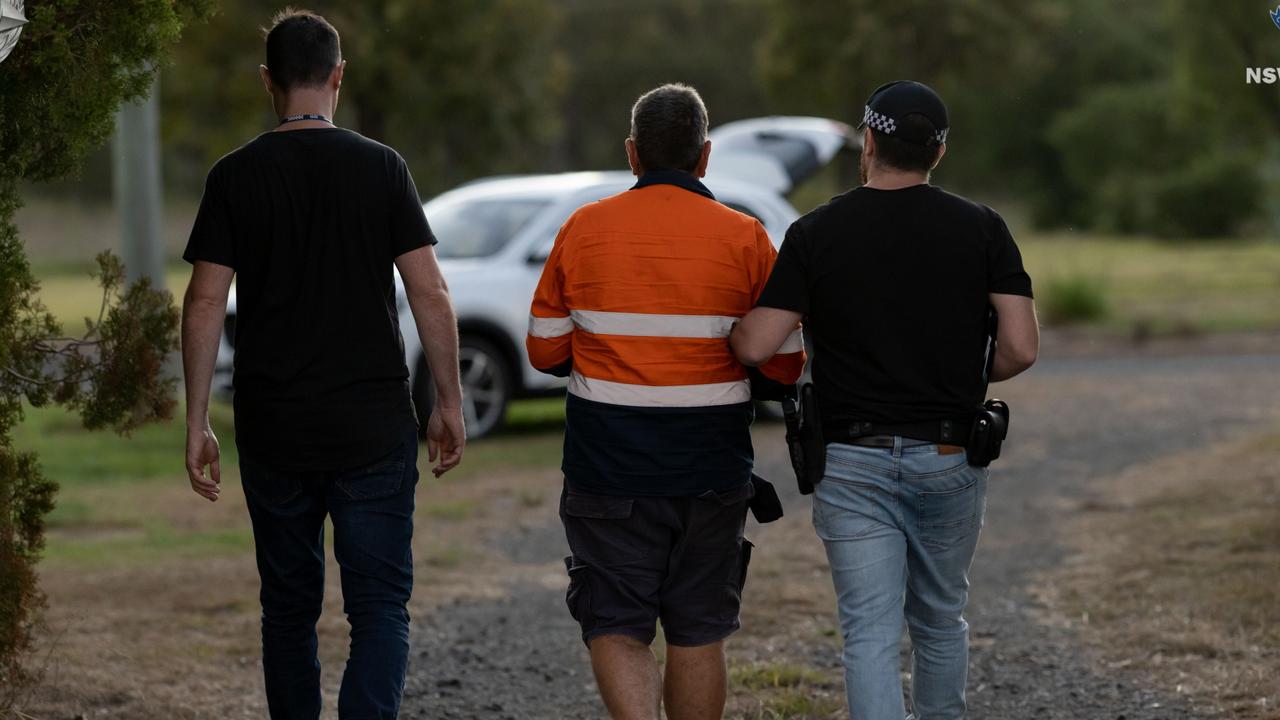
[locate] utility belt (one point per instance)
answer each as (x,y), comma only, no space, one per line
(980,434)
(950,431)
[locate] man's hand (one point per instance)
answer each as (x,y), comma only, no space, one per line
(446,437)
(428,297)
(204,311)
(202,450)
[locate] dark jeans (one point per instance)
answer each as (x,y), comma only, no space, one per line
(372,512)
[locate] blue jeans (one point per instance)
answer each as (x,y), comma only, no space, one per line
(372,513)
(900,527)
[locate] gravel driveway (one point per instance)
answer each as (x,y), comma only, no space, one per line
(1074,419)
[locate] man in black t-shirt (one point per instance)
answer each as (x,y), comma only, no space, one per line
(895,281)
(312,220)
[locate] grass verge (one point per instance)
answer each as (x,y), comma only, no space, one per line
(1175,573)
(1162,287)
(1152,286)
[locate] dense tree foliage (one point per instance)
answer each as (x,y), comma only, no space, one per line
(462,89)
(1092,113)
(1132,117)
(59,90)
(616,50)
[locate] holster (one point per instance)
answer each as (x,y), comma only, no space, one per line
(805,442)
(990,427)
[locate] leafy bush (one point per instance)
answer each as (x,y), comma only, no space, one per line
(1076,299)
(75,63)
(1137,167)
(1211,197)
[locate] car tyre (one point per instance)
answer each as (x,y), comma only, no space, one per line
(486,387)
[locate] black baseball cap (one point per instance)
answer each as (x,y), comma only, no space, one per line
(892,102)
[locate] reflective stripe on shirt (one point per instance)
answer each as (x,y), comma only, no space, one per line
(549,327)
(793,344)
(615,393)
(598,322)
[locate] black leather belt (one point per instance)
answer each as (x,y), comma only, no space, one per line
(884,441)
(948,431)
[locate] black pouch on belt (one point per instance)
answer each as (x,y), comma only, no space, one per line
(990,427)
(805,442)
(765,505)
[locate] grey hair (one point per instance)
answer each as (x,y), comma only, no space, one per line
(669,127)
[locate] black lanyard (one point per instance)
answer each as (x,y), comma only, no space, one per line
(296,118)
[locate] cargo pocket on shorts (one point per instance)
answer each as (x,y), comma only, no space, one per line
(737,580)
(578,597)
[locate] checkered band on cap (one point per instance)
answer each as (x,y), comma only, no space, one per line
(876,121)
(888,125)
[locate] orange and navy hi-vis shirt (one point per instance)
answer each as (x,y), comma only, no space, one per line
(635,305)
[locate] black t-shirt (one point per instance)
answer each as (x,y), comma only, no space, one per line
(311,221)
(894,288)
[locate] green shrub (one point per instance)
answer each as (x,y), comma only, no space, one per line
(1131,165)
(76,62)
(1071,300)
(1210,197)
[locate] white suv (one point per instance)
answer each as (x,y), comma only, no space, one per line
(495,234)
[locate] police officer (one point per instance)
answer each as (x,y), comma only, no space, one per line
(895,281)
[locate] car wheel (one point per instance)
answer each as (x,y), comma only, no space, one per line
(486,387)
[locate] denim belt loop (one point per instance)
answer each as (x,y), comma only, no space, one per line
(897,447)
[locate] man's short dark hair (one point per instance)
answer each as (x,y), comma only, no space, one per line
(302,49)
(669,127)
(902,155)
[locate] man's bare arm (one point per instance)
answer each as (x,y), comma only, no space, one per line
(758,336)
(428,297)
(204,310)
(1018,336)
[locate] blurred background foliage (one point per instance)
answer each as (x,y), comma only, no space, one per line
(1115,117)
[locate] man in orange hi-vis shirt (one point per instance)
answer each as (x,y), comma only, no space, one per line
(635,306)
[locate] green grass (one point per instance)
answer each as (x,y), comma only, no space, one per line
(71,295)
(95,524)
(794,705)
(445,556)
(787,691)
(157,540)
(542,413)
(1209,286)
(453,510)
(1073,300)
(517,449)
(74,456)
(774,675)
(1205,286)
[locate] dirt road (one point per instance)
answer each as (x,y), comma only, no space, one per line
(1074,420)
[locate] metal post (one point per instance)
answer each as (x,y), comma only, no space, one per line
(136,183)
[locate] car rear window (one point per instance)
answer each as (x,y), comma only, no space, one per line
(480,228)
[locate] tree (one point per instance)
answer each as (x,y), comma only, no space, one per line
(77,61)
(1077,104)
(461,89)
(826,58)
(617,49)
